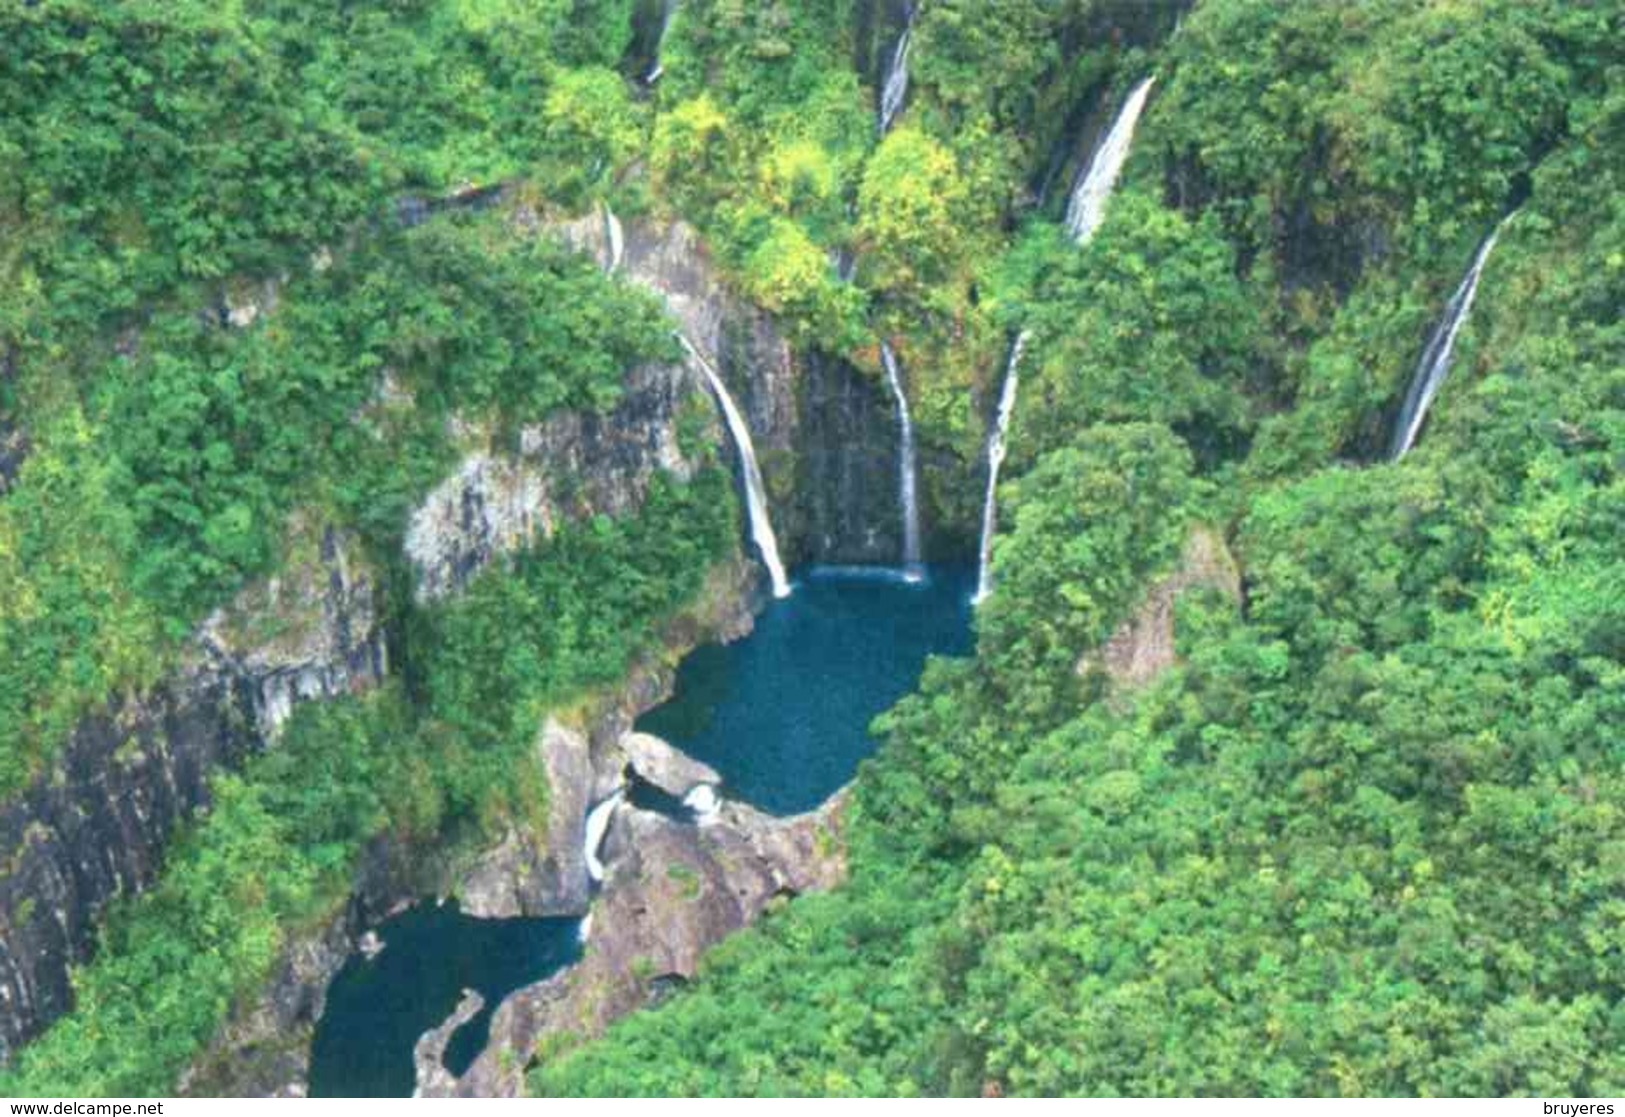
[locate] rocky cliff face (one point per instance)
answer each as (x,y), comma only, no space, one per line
(574,464)
(825,432)
(846,492)
(94,828)
(673,891)
(265,1049)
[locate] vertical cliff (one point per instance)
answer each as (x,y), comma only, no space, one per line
(94,828)
(825,432)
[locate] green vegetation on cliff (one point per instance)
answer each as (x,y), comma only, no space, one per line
(1366,836)
(278,850)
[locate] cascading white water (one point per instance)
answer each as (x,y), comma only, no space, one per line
(614,240)
(1087,206)
(894,90)
(598,820)
(1436,356)
(995,458)
(667,11)
(761,527)
(907,477)
(1085,210)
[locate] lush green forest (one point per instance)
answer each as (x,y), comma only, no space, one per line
(1366,837)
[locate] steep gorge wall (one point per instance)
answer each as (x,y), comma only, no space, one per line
(94,828)
(825,432)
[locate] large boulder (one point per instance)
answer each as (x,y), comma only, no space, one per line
(672,771)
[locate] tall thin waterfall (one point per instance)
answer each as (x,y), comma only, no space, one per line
(1087,206)
(614,239)
(906,468)
(995,458)
(598,820)
(894,90)
(1441,347)
(761,527)
(667,11)
(1085,210)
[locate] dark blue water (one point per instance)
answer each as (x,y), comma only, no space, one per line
(377,1010)
(784,714)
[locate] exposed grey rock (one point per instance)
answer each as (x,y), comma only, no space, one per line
(429,1053)
(309,633)
(545,874)
(95,826)
(568,764)
(656,761)
(573,465)
(673,891)
(824,431)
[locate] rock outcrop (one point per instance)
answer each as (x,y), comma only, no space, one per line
(429,1053)
(541,874)
(668,768)
(1143,646)
(673,891)
(311,632)
(95,826)
(574,464)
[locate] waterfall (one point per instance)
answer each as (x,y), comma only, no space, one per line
(995,458)
(1084,212)
(614,239)
(894,90)
(906,471)
(1435,363)
(597,826)
(667,11)
(1087,206)
(761,528)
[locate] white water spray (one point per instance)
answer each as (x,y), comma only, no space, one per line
(995,458)
(907,472)
(668,10)
(614,240)
(894,90)
(1441,349)
(598,820)
(1085,210)
(1087,207)
(704,801)
(761,527)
